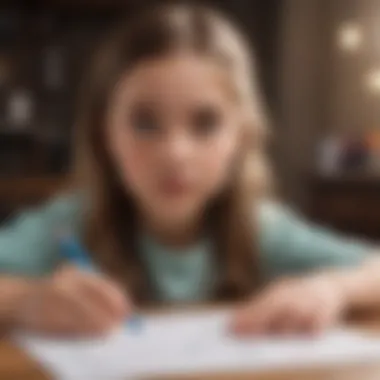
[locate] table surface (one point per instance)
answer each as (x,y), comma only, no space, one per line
(16,365)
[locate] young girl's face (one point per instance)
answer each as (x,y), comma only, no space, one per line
(173,134)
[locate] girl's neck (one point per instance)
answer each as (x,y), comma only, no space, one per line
(174,234)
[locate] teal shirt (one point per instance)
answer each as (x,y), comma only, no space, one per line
(287,245)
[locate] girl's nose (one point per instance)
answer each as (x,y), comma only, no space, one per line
(178,147)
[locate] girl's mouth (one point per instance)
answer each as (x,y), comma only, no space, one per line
(174,187)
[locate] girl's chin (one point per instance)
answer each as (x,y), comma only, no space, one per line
(177,213)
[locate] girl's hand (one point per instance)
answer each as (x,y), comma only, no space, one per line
(72,302)
(307,305)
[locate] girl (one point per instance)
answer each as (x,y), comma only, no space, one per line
(172,200)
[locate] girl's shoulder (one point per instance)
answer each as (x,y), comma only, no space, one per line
(28,244)
(64,206)
(65,210)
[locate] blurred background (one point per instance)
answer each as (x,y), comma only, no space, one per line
(319,64)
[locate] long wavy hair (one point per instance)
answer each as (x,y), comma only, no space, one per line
(110,224)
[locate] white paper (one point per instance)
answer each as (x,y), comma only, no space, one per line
(192,343)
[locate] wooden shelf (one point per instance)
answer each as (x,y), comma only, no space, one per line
(93,4)
(349,203)
(21,191)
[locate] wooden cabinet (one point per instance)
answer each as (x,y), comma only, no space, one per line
(349,204)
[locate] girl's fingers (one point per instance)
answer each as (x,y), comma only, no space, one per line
(288,308)
(257,317)
(79,313)
(244,319)
(91,303)
(105,295)
(284,322)
(105,291)
(74,303)
(323,317)
(284,315)
(307,317)
(298,319)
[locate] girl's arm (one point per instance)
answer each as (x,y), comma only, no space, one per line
(28,251)
(67,302)
(38,293)
(312,302)
(14,292)
(360,286)
(316,277)
(292,246)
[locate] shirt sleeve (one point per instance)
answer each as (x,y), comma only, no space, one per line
(290,245)
(28,245)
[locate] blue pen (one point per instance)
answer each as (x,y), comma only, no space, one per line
(73,251)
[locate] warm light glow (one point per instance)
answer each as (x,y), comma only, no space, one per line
(350,37)
(372,81)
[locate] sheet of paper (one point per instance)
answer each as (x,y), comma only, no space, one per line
(191,343)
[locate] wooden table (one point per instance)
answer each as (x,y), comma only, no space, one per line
(15,365)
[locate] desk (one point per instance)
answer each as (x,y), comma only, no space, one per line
(15,365)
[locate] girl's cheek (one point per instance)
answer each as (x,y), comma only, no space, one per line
(137,165)
(220,157)
(218,173)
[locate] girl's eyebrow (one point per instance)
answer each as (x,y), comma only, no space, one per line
(155,103)
(148,104)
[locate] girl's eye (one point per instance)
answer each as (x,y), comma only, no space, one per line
(143,120)
(206,120)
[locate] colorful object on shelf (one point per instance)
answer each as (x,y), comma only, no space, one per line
(355,154)
(330,156)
